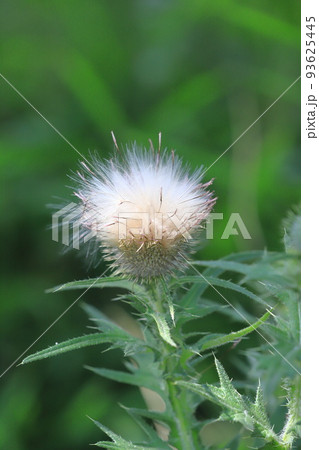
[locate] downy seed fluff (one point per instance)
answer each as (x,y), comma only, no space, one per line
(144,208)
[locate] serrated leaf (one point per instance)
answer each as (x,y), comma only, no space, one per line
(265,272)
(225,265)
(262,269)
(141,378)
(195,292)
(67,346)
(147,374)
(292,230)
(162,417)
(208,342)
(121,446)
(193,295)
(117,335)
(169,300)
(250,255)
(205,307)
(195,387)
(235,406)
(202,308)
(118,442)
(163,328)
(191,298)
(213,281)
(227,392)
(148,430)
(259,409)
(290,429)
(277,333)
(113,282)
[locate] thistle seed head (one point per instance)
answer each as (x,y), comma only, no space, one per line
(144,209)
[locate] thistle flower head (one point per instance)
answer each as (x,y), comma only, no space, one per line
(144,209)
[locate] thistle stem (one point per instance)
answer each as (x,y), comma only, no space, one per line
(156,298)
(183,427)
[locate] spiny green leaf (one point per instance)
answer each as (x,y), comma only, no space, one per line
(292,231)
(235,407)
(148,430)
(163,417)
(229,266)
(116,335)
(202,308)
(211,342)
(69,345)
(120,445)
(118,442)
(226,396)
(250,255)
(195,387)
(291,427)
(195,292)
(291,300)
(227,392)
(169,300)
(102,282)
(192,296)
(260,270)
(138,302)
(258,409)
(163,328)
(265,272)
(241,409)
(144,372)
(142,378)
(213,281)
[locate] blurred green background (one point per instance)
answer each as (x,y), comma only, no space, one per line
(198,71)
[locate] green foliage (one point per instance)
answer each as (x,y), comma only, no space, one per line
(165,360)
(251,414)
(291,430)
(101,282)
(163,328)
(71,344)
(118,442)
(236,407)
(147,373)
(292,231)
(209,341)
(215,282)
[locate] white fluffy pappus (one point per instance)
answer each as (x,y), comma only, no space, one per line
(144,209)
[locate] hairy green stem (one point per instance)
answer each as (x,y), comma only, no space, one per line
(183,426)
(156,298)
